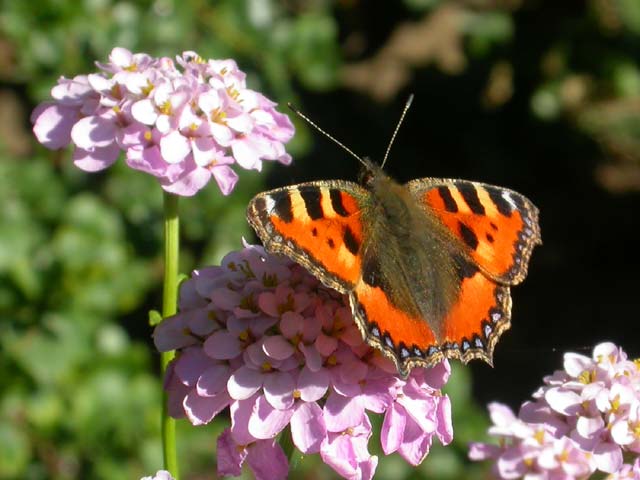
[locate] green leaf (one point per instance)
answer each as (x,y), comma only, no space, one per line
(14,451)
(155,317)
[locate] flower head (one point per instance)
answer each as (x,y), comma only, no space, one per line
(584,419)
(262,336)
(184,124)
(160,475)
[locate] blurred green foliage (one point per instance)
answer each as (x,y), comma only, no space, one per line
(79,253)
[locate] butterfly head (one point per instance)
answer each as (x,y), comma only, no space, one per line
(369,173)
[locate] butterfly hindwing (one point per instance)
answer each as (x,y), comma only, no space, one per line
(499,227)
(317,224)
(470,330)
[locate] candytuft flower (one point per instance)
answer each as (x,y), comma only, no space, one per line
(584,419)
(184,124)
(262,336)
(160,475)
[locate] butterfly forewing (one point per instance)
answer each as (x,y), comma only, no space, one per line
(497,226)
(317,224)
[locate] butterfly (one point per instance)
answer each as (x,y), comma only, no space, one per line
(427,266)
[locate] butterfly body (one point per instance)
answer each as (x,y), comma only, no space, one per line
(405,251)
(427,265)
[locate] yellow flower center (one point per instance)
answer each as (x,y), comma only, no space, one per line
(146,90)
(165,108)
(116,92)
(249,303)
(286,306)
(269,280)
(246,269)
(615,404)
(587,377)
(218,116)
(233,93)
(564,456)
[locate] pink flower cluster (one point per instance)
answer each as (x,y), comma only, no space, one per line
(183,126)
(583,420)
(262,336)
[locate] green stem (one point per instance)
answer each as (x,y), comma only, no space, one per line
(289,448)
(169,307)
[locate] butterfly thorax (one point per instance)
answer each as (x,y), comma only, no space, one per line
(407,251)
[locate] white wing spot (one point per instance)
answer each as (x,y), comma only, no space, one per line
(270,204)
(508,199)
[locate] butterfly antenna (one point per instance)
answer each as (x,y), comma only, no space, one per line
(395,132)
(330,137)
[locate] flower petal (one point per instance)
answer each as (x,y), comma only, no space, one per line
(96,159)
(266,421)
(229,458)
(278,390)
(267,460)
(174,147)
(313,385)
(244,382)
(392,431)
(52,124)
(277,347)
(202,410)
(342,412)
(307,428)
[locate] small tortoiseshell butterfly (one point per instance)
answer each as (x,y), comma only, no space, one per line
(427,265)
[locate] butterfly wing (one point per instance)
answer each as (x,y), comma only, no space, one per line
(320,225)
(494,230)
(317,224)
(498,227)
(470,330)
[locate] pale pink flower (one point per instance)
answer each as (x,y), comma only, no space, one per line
(184,127)
(160,475)
(262,336)
(265,458)
(584,419)
(346,452)
(627,472)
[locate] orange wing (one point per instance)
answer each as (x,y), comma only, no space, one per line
(499,227)
(470,330)
(496,231)
(317,224)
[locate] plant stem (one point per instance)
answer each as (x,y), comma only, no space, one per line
(169,307)
(289,448)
